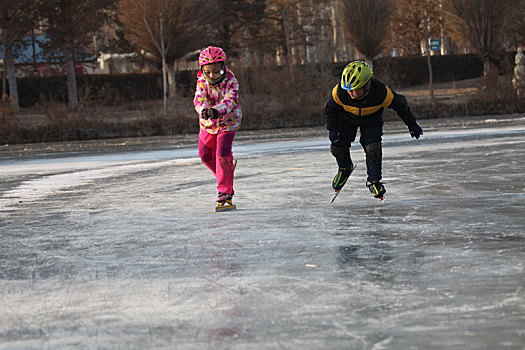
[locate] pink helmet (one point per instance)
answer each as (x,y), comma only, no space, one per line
(211,54)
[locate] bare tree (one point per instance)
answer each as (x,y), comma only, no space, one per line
(366,23)
(16,19)
(168,29)
(414,22)
(516,23)
(70,24)
(291,28)
(483,24)
(237,20)
(411,22)
(313,32)
(335,28)
(279,31)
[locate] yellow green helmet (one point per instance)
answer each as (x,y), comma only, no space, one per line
(355,75)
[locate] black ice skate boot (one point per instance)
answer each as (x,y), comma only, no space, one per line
(376,188)
(340,178)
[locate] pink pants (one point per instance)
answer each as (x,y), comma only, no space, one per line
(215,151)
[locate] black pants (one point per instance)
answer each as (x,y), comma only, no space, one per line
(371,132)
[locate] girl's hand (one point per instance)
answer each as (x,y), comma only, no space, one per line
(209,113)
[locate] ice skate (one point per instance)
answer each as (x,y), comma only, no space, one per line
(377,189)
(224,202)
(340,179)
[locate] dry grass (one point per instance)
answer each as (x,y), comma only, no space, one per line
(464,98)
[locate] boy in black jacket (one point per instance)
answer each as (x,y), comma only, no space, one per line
(358,102)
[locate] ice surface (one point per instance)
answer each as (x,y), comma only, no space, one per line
(125,250)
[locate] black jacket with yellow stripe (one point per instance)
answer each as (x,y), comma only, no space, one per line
(341,109)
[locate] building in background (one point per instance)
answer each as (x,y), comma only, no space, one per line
(31,60)
(122,63)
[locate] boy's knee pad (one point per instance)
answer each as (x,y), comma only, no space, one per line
(338,151)
(373,152)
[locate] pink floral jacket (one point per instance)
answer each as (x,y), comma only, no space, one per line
(224,98)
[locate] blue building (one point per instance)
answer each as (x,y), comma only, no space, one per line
(31,59)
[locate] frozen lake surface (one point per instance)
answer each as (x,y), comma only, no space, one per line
(125,251)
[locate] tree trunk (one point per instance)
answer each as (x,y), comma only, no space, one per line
(429,64)
(335,29)
(287,39)
(430,76)
(172,83)
(164,85)
(370,62)
(490,74)
(163,51)
(72,92)
(4,82)
(9,66)
(486,68)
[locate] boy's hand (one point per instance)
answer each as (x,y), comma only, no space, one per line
(333,135)
(415,130)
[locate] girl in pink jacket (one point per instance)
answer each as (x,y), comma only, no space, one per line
(216,102)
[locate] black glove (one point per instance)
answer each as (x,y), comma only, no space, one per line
(210,113)
(334,136)
(415,130)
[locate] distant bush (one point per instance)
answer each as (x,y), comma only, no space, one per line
(400,72)
(31,90)
(413,70)
(410,71)
(105,88)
